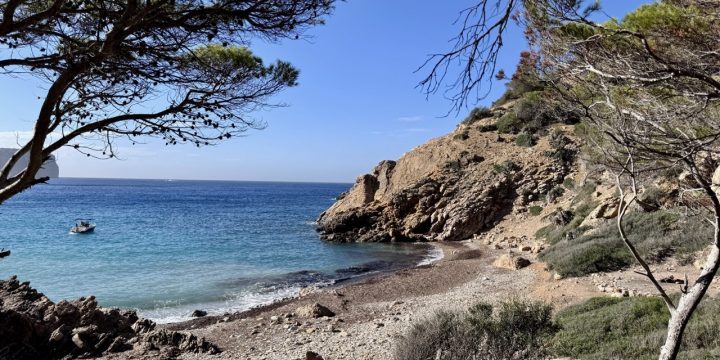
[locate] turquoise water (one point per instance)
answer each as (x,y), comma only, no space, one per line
(169,247)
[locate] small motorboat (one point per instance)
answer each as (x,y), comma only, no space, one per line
(4,253)
(83,226)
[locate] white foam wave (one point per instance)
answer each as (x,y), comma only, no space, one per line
(435,254)
(171,313)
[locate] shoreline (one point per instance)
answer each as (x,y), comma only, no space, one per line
(370,313)
(433,254)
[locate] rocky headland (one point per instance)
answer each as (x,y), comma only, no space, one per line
(49,168)
(449,188)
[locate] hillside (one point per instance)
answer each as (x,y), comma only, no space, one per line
(451,187)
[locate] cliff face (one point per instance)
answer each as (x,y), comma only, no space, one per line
(449,188)
(49,168)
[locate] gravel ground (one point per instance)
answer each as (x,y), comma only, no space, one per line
(370,314)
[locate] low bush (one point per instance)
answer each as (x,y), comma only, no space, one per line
(585,192)
(569,183)
(488,128)
(555,233)
(515,330)
(476,115)
(524,139)
(509,124)
(464,135)
(656,235)
(505,167)
(535,210)
(632,328)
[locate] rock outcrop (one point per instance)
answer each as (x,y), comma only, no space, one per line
(49,168)
(33,327)
(450,188)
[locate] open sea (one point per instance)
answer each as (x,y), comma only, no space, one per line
(168,247)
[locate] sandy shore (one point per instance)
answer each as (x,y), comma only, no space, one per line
(370,313)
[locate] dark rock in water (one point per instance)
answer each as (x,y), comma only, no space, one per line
(33,327)
(198,313)
(311,355)
(314,311)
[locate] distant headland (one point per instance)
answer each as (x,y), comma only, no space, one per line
(49,168)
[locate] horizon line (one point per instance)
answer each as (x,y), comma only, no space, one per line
(215,180)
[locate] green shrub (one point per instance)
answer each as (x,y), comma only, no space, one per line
(506,97)
(632,328)
(535,210)
(524,139)
(554,233)
(515,330)
(487,128)
(509,124)
(531,108)
(587,254)
(656,235)
(505,167)
(569,183)
(464,135)
(476,115)
(585,192)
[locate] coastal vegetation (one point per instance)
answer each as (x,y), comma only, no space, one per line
(632,328)
(645,88)
(599,328)
(513,330)
(631,104)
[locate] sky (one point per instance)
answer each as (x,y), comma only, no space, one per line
(357,103)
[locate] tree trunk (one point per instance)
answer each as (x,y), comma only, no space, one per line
(687,305)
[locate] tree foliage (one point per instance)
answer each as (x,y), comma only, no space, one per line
(647,87)
(179,70)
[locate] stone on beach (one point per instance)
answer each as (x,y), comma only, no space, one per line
(311,355)
(314,311)
(512,262)
(199,313)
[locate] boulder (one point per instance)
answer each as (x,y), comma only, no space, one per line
(311,355)
(199,313)
(512,262)
(608,209)
(31,324)
(314,311)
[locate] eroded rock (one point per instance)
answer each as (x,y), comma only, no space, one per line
(512,262)
(32,327)
(444,190)
(314,311)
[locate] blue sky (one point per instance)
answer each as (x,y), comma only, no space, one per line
(357,102)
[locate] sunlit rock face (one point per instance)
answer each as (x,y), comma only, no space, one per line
(49,168)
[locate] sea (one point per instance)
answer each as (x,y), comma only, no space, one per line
(168,247)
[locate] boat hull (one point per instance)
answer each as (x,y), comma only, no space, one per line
(82,230)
